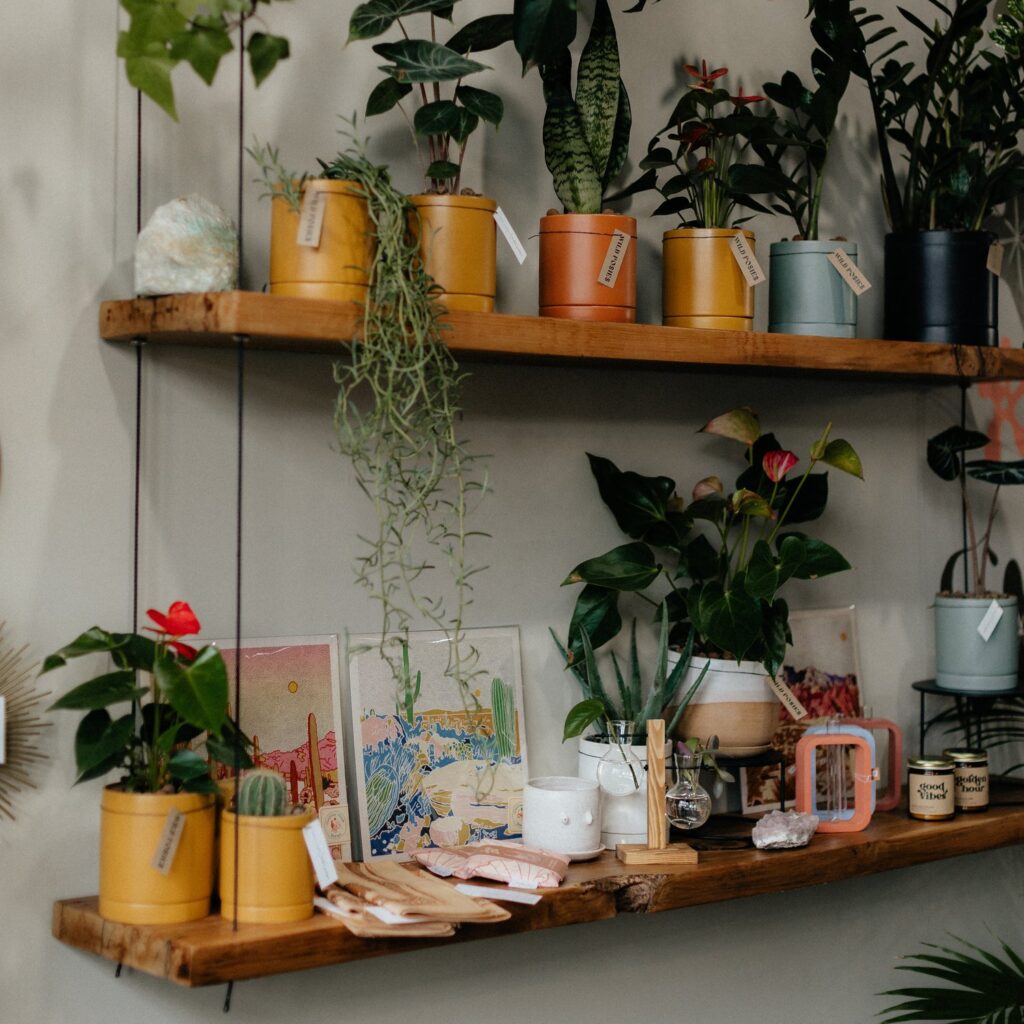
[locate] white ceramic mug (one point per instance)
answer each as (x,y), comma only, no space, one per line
(562,814)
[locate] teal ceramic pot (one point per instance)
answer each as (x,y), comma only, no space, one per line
(963,661)
(806,293)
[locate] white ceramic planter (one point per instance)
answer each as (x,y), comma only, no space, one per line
(963,660)
(734,703)
(562,814)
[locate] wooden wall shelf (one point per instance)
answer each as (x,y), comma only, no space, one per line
(276,322)
(208,952)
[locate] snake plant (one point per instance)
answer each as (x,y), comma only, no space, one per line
(586,133)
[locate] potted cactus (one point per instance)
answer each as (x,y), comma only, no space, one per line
(275,877)
(456,224)
(587,254)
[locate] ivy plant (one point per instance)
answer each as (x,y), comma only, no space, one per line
(163,33)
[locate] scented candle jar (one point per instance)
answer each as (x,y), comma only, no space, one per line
(970,774)
(930,788)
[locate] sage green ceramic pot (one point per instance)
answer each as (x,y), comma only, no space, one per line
(806,294)
(963,660)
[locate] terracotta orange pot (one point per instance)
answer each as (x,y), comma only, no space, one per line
(458,247)
(132,891)
(338,267)
(702,285)
(573,249)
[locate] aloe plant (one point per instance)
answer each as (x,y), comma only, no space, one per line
(586,133)
(421,67)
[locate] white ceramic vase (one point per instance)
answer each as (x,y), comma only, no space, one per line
(562,814)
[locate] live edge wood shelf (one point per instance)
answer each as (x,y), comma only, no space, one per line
(208,952)
(217,319)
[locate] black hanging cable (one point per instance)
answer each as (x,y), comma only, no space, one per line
(963,485)
(138,345)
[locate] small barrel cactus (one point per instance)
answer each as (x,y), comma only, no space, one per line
(263,794)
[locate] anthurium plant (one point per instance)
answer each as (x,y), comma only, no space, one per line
(422,70)
(713,564)
(586,131)
(949,130)
(696,163)
(163,33)
(947,458)
(186,696)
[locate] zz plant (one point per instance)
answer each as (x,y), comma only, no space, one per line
(425,69)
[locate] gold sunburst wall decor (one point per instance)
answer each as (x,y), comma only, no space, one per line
(21,724)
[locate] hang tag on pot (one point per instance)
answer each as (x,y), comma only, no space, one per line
(746,260)
(319,854)
(990,620)
(311,219)
(788,699)
(170,839)
(613,259)
(995,258)
(851,274)
(505,227)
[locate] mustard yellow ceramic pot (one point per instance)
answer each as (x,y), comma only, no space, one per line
(132,890)
(457,240)
(574,250)
(336,268)
(702,284)
(275,877)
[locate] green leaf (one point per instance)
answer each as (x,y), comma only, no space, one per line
(101,692)
(597,614)
(575,177)
(839,454)
(597,88)
(1001,473)
(187,764)
(749,503)
(730,619)
(485,105)
(438,118)
(627,567)
(542,29)
(763,574)
(819,558)
(264,53)
(224,752)
(442,169)
(372,19)
(740,425)
(699,560)
(483,34)
(620,140)
(101,743)
(385,95)
(92,641)
(776,635)
(416,60)
(944,450)
(203,48)
(198,691)
(151,75)
(581,717)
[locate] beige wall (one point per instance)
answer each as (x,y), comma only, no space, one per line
(66,406)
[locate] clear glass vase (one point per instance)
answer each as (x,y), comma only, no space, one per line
(619,772)
(687,803)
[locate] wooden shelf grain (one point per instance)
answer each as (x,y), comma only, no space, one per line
(208,952)
(283,323)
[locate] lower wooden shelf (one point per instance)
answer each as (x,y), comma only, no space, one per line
(209,952)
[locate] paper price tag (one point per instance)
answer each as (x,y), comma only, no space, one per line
(995,258)
(311,219)
(170,839)
(507,895)
(746,260)
(989,621)
(319,854)
(853,277)
(613,258)
(788,699)
(505,227)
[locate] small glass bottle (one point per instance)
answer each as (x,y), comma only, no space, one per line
(619,772)
(688,803)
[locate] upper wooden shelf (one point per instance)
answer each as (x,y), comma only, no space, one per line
(216,319)
(208,952)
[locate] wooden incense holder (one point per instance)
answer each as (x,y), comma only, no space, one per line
(658,849)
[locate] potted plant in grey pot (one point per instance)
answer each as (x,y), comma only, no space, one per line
(807,293)
(977,642)
(953,128)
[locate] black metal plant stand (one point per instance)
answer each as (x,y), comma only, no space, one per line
(970,707)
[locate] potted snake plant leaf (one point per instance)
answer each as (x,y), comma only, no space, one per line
(807,294)
(697,165)
(456,225)
(977,642)
(949,137)
(162,34)
(587,254)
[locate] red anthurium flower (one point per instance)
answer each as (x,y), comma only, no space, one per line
(184,650)
(706,77)
(692,134)
(705,165)
(180,620)
(777,464)
(742,101)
